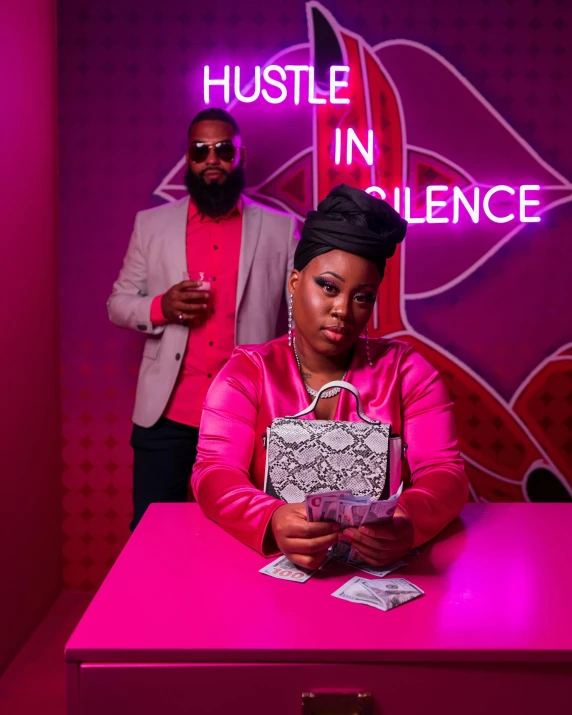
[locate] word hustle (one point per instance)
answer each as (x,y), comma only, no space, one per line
(274,83)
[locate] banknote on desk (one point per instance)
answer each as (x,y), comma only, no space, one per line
(284,569)
(383,594)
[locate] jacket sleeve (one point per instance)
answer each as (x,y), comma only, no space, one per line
(221,479)
(439,484)
(129,305)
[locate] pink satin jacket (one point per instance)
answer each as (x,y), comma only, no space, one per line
(261,382)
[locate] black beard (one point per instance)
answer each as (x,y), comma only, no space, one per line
(215,200)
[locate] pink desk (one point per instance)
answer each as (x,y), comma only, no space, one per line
(185,624)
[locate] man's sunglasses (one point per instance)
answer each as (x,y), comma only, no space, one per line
(199,151)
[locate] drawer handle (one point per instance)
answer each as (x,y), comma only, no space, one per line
(337,704)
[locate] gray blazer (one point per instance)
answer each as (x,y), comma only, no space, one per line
(155,260)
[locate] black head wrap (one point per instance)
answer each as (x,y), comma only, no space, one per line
(351,220)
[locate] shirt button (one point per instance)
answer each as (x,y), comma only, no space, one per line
(178,356)
(211,343)
(209,375)
(214,278)
(215,248)
(212,310)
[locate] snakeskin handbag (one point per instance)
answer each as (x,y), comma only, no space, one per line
(308,456)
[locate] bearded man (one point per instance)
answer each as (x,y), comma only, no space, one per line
(201,276)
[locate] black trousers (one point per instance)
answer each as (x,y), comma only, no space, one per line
(164,455)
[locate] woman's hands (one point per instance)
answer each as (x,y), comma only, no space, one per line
(305,543)
(385,543)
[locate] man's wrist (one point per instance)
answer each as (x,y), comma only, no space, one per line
(157,315)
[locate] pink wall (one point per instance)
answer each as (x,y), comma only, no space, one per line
(29,359)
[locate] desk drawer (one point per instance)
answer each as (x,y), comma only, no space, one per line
(276,689)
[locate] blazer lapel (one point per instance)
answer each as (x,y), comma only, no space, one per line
(251,224)
(176,240)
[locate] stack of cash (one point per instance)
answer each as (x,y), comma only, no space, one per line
(349,510)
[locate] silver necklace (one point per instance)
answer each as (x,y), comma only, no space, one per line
(310,390)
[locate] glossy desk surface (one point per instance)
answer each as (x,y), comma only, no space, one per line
(498,587)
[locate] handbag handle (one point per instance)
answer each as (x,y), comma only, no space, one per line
(345,386)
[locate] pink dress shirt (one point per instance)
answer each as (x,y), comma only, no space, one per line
(262,382)
(213,246)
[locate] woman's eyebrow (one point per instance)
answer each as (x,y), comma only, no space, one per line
(361,285)
(331,273)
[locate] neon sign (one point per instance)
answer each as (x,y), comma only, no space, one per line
(274,84)
(275,77)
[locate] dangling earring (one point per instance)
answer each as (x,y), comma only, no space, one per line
(369,361)
(290,319)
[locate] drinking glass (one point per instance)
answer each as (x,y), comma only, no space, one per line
(198,276)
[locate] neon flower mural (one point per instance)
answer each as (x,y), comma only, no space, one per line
(482,276)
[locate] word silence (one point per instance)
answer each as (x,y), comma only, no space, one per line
(444,204)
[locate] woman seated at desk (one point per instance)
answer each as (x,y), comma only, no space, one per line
(338,266)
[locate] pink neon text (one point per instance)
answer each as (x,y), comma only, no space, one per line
(444,204)
(274,84)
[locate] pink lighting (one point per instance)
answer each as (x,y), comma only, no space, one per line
(437,204)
